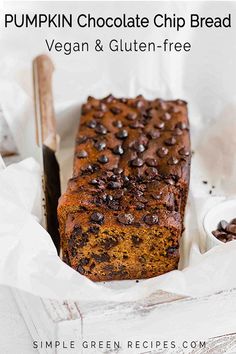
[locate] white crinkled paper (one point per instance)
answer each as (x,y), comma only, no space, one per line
(205,78)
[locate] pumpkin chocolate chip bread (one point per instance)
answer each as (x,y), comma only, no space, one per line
(122,214)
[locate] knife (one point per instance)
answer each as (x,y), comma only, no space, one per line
(47,139)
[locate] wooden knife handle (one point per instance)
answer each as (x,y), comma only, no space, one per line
(45,114)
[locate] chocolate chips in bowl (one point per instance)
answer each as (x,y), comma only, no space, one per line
(219,223)
(226,231)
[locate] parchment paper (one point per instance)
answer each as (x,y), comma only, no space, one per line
(205,78)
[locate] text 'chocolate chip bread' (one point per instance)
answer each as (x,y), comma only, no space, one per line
(122,214)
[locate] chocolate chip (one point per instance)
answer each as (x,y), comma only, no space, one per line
(100,145)
(136,240)
(126,219)
(97,218)
(77,230)
(173,160)
(137,162)
(122,134)
(114,185)
(138,147)
(117,170)
(140,206)
(103,107)
(103,159)
(118,150)
(141,199)
(136,124)
(123,100)
(151,162)
(82,154)
(109,98)
(115,110)
(92,124)
(131,116)
(80,269)
(100,129)
(180,102)
(139,104)
(86,108)
(98,114)
(153,134)
(84,261)
(109,242)
(117,124)
(171,141)
(184,152)
(157,196)
(172,251)
(231,228)
(174,109)
(166,116)
(170,181)
(151,219)
(81,139)
(222,225)
(100,258)
(94,229)
(162,152)
(159,125)
(114,205)
(181,125)
(162,104)
(151,172)
(94,182)
(177,132)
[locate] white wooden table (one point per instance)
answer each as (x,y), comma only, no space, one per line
(14,334)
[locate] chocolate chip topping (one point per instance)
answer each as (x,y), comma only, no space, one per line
(136,124)
(92,124)
(173,160)
(103,159)
(138,147)
(136,240)
(81,139)
(113,185)
(117,124)
(100,145)
(98,114)
(184,152)
(100,129)
(151,162)
(126,219)
(181,125)
(122,134)
(151,219)
(82,154)
(118,150)
(137,162)
(159,125)
(171,141)
(97,218)
(166,116)
(131,116)
(115,110)
(153,134)
(162,152)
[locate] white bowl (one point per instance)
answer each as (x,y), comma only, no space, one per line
(225,210)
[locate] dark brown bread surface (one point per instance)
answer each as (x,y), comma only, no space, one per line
(122,214)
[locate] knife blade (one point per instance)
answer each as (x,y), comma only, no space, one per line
(47,139)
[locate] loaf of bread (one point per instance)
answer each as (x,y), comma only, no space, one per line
(122,214)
